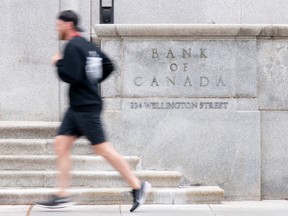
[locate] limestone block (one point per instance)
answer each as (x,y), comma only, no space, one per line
(190,68)
(104,196)
(264,11)
(272,67)
(210,141)
(95,12)
(274,154)
(28,84)
(177,11)
(113,85)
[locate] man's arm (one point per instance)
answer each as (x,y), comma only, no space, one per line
(69,68)
(107,66)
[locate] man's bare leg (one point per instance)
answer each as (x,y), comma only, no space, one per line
(63,145)
(107,151)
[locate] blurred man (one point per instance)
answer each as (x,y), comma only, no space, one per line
(84,66)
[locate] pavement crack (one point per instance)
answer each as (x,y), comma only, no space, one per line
(120,210)
(212,210)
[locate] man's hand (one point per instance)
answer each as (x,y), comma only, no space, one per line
(56,58)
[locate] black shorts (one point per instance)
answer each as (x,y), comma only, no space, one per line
(87,124)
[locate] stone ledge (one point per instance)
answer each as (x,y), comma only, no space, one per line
(91,179)
(114,196)
(190,30)
(20,147)
(40,162)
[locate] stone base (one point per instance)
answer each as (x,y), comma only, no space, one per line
(113,196)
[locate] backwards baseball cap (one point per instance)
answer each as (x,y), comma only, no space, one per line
(70,16)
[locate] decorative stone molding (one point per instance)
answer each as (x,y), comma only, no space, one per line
(190,30)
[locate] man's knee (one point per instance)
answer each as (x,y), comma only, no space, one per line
(63,144)
(104,149)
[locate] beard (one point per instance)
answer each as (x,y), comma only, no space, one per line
(62,35)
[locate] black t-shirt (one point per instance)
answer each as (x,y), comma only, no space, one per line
(83,93)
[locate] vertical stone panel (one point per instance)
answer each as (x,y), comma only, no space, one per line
(264,12)
(272,74)
(95,12)
(274,154)
(29,89)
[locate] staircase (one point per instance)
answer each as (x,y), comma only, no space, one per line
(27,172)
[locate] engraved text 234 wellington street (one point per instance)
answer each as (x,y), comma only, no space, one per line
(179,105)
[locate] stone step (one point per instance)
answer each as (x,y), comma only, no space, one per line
(113,196)
(28,130)
(40,162)
(85,178)
(39,147)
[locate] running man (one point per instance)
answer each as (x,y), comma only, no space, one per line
(84,66)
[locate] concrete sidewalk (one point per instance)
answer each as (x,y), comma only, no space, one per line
(243,208)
